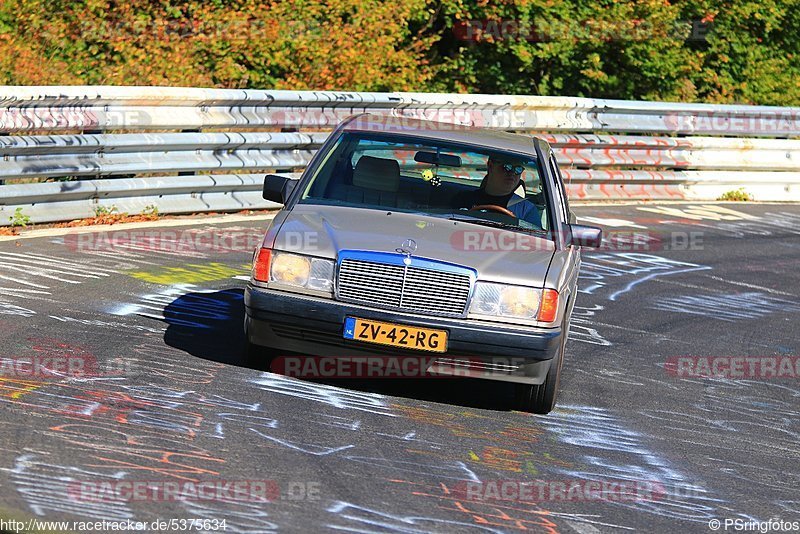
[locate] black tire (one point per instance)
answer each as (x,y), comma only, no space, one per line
(256,356)
(541,399)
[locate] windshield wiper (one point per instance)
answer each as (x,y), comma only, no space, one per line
(493,224)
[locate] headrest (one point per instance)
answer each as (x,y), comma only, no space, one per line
(379,174)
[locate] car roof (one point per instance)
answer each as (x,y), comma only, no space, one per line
(441,131)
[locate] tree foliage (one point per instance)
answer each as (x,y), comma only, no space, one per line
(742,51)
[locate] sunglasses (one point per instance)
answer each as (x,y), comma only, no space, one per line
(518,169)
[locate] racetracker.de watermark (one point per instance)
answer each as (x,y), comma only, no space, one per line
(551,29)
(49,118)
(577,490)
(163,29)
(440,119)
(779,121)
(494,240)
(215,240)
(373,367)
(49,367)
(187,490)
(53,359)
(454,117)
(734,367)
(60,367)
(445,118)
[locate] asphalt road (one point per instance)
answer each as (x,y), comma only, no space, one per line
(171,401)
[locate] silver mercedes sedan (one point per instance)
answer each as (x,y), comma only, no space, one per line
(422,238)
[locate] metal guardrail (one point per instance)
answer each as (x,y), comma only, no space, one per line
(108,155)
(131,147)
(65,201)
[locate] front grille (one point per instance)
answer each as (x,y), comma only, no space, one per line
(371,283)
(302,334)
(406,288)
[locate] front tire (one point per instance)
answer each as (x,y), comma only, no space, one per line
(256,356)
(541,398)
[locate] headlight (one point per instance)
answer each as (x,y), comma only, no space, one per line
(505,301)
(301,271)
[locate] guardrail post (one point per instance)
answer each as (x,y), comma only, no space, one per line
(189,173)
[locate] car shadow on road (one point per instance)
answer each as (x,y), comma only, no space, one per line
(208,325)
(457,391)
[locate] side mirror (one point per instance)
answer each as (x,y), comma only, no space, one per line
(584,236)
(278,188)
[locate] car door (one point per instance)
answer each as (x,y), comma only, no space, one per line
(572,265)
(563,272)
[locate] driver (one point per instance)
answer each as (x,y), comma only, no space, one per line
(503,177)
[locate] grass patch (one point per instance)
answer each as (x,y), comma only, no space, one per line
(737,195)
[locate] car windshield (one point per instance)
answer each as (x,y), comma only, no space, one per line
(403,173)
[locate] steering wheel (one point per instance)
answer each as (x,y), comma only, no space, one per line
(493,207)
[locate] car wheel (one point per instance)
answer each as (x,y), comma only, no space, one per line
(256,356)
(541,399)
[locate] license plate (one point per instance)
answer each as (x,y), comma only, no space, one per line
(395,335)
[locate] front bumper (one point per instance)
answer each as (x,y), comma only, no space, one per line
(312,325)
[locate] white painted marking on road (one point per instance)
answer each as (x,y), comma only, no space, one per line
(617,223)
(704,212)
(325,394)
(25,283)
(585,518)
(10,309)
(28,270)
(62,263)
(726,307)
(48,488)
(651,276)
(23,293)
(583,528)
(752,286)
(44,273)
(306,448)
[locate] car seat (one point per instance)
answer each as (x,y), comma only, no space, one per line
(375,181)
